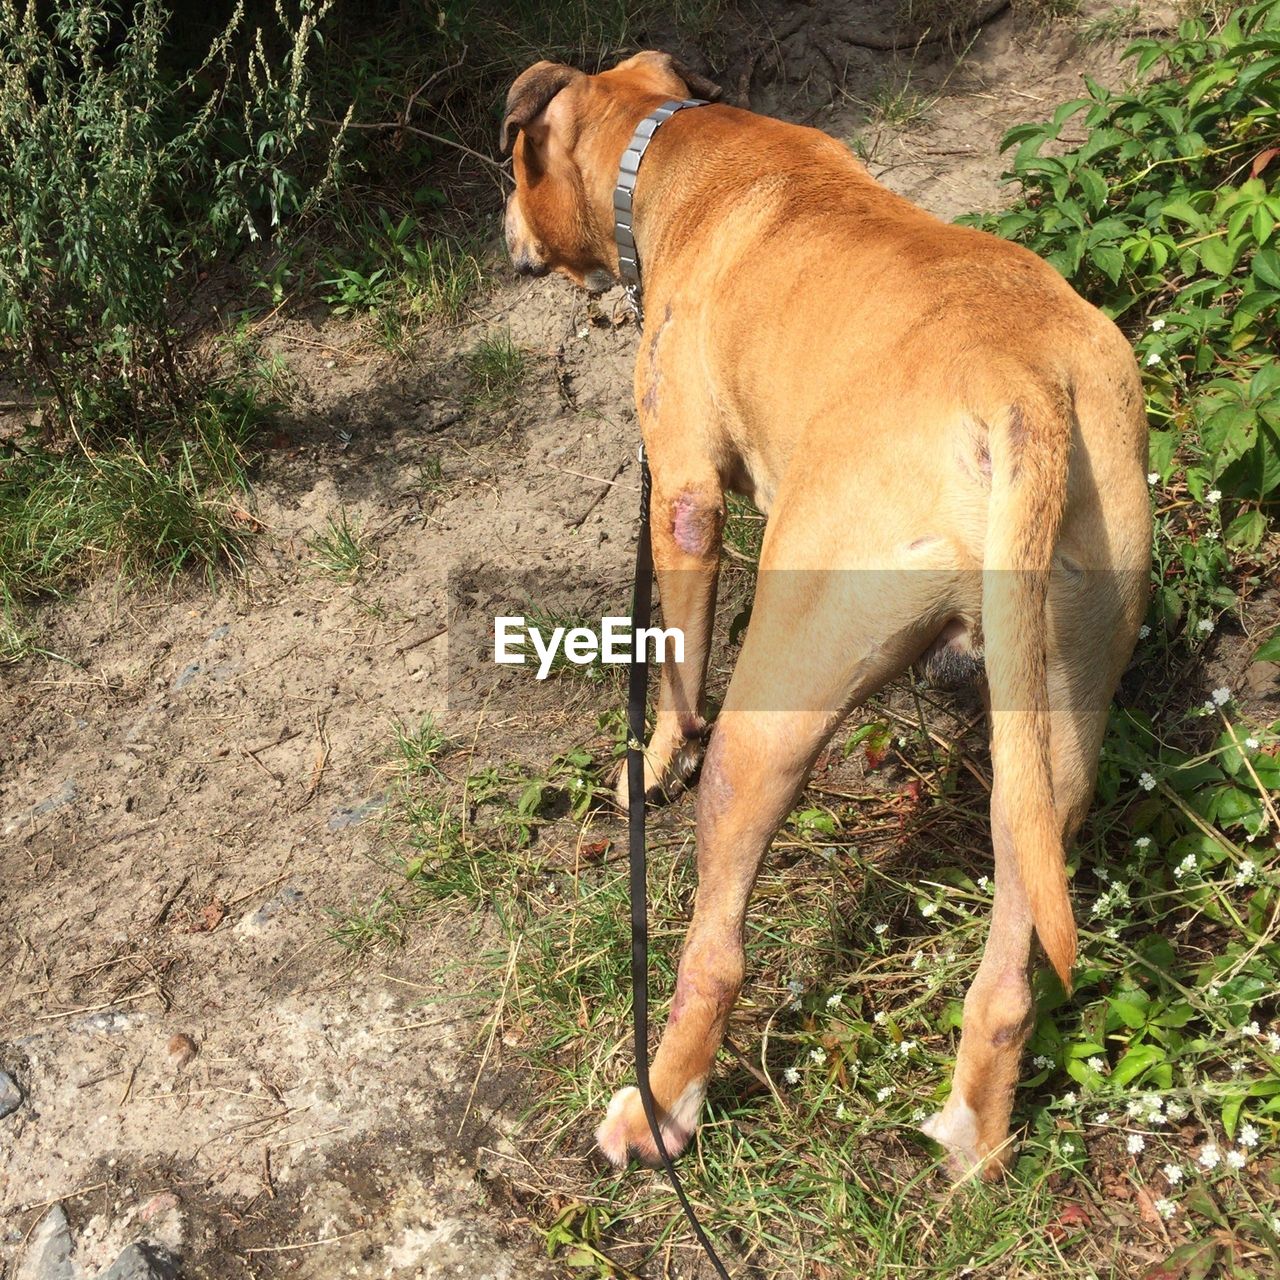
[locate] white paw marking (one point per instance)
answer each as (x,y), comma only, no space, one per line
(956,1128)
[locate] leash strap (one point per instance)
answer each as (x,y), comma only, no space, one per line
(638,681)
(637,685)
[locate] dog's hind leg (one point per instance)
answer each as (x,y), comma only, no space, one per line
(819,642)
(1093,618)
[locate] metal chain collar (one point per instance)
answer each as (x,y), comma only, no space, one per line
(624,194)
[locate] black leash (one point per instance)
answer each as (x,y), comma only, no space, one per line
(638,676)
(637,684)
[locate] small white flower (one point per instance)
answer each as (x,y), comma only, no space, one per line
(1142,842)
(1041,1062)
(841,1113)
(1273,1041)
(818,1055)
(1185,867)
(1251,744)
(1143,631)
(929,909)
(1165,1208)
(982,883)
(1176,1111)
(1251,1029)
(1102,1117)
(1213,497)
(1135,1143)
(833,1001)
(882,1094)
(906,1047)
(1211,535)
(1153,477)
(1209,1157)
(1248,1136)
(795,986)
(1237,1159)
(1102,875)
(879,1018)
(1172,1173)
(1146,781)
(1157,324)
(1221,696)
(879,929)
(1134,1107)
(1244,872)
(1205,624)
(1238,1066)
(1096,1064)
(1069,1098)
(791,1075)
(1153,358)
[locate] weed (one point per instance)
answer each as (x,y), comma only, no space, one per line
(896,105)
(342,550)
(364,928)
(1115,24)
(418,749)
(496,369)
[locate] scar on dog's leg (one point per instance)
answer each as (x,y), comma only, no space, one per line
(818,643)
(687,518)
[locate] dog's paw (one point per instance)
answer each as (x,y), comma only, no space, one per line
(666,770)
(625,1132)
(955,1129)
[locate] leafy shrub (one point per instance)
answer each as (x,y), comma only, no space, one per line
(121,182)
(1164,216)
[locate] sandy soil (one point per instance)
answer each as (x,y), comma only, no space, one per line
(195,783)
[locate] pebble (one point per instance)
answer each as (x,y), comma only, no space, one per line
(354,815)
(187,675)
(48,1252)
(10,1095)
(142,1261)
(290,898)
(182,1048)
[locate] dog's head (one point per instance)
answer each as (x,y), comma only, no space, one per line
(566,132)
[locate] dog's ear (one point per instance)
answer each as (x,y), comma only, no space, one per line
(667,65)
(530,96)
(699,86)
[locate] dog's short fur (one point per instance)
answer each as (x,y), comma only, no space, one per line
(951,450)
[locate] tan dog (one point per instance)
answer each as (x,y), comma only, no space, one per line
(951,449)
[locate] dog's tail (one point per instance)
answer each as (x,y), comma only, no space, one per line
(1029,449)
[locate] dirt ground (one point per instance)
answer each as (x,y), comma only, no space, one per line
(190,787)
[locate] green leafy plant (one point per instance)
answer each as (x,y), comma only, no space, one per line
(1165,216)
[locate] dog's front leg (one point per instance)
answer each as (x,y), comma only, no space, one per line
(686,520)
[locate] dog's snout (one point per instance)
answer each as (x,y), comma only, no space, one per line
(527,265)
(520,247)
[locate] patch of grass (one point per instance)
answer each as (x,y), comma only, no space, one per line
(418,749)
(895,104)
(156,506)
(363,928)
(496,369)
(342,550)
(1118,23)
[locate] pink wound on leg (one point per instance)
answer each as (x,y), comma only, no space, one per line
(695,524)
